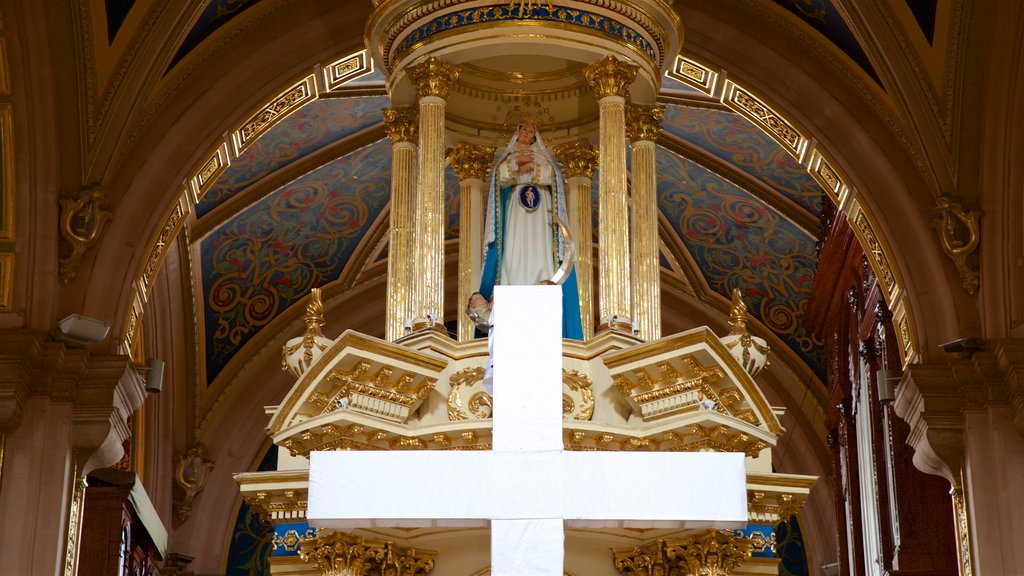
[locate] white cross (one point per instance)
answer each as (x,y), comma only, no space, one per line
(527,485)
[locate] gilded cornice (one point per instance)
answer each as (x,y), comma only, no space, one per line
(390,20)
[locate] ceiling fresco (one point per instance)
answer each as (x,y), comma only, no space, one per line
(735,140)
(311,127)
(261,261)
(737,241)
(301,236)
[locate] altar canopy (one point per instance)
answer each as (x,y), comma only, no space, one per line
(527,486)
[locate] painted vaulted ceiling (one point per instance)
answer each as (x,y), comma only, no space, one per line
(306,201)
(262,257)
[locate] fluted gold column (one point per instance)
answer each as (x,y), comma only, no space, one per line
(578,160)
(471,162)
(400,124)
(610,78)
(432,78)
(642,125)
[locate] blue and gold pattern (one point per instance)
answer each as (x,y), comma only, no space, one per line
(300,237)
(740,143)
(252,537)
(739,242)
(761,537)
(309,128)
(789,547)
(489,15)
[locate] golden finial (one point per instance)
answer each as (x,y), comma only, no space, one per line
(738,313)
(314,317)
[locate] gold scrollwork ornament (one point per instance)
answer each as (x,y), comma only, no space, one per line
(82,219)
(191,471)
(959,234)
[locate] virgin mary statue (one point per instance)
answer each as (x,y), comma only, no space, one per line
(523,243)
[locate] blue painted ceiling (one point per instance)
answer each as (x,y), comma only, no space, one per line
(267,255)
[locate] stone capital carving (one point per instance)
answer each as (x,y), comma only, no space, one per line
(932,399)
(610,76)
(472,161)
(401,123)
(577,158)
(433,77)
(643,121)
(341,554)
(103,390)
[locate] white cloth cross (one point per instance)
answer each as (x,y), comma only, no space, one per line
(527,485)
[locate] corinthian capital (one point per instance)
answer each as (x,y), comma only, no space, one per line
(578,158)
(472,161)
(400,123)
(643,121)
(610,76)
(339,554)
(433,77)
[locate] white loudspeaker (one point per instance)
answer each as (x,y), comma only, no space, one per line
(885,380)
(155,378)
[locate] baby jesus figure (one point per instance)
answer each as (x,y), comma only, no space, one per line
(479,311)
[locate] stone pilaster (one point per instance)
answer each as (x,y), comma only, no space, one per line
(65,412)
(401,126)
(642,125)
(471,163)
(610,79)
(432,78)
(962,417)
(579,160)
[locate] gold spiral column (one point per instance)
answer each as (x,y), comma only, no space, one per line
(610,78)
(400,124)
(578,160)
(471,162)
(432,78)
(642,125)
